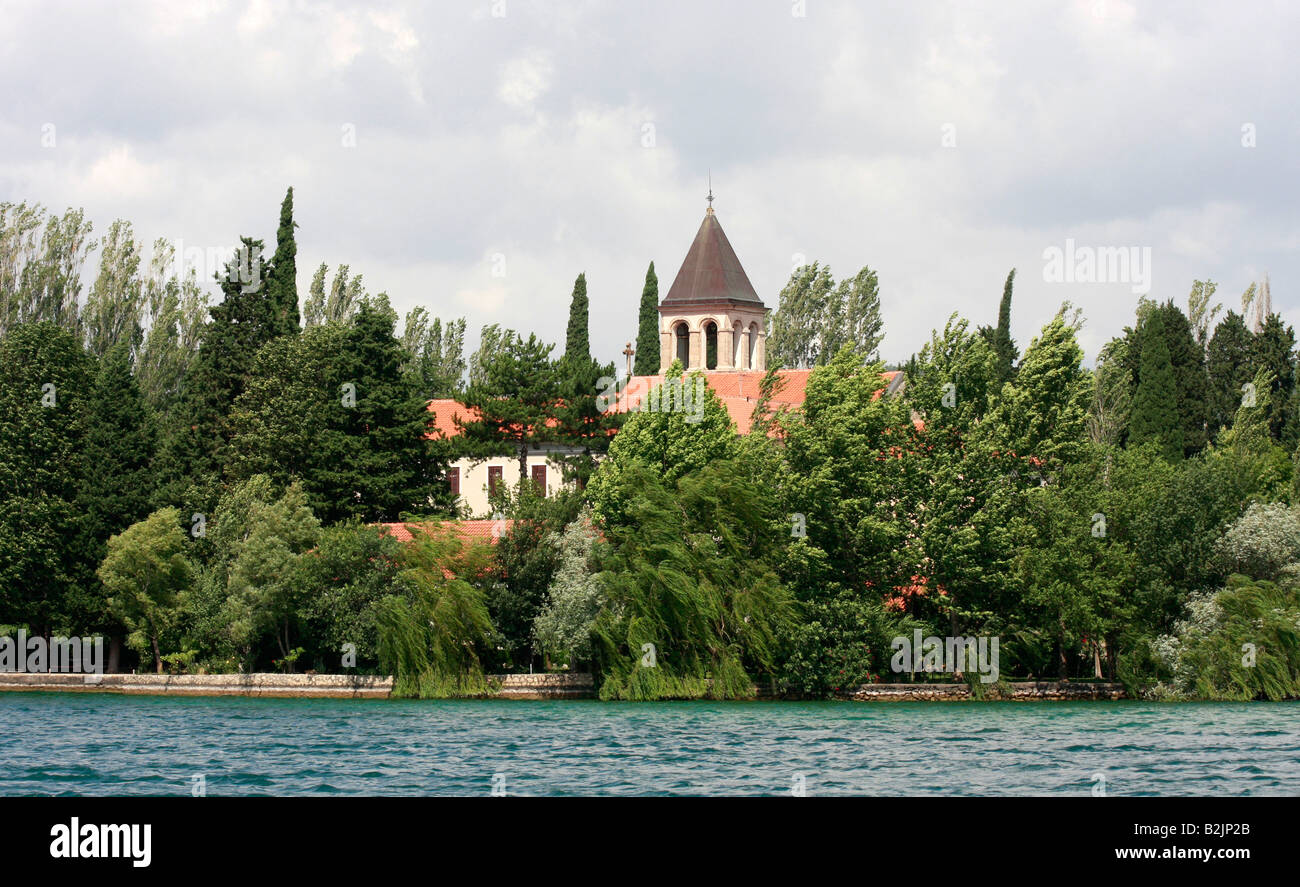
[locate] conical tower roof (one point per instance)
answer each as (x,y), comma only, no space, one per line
(711,272)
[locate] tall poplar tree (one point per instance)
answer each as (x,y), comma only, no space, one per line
(647,334)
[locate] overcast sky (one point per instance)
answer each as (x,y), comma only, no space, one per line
(940,143)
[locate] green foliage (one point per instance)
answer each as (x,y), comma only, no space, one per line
(119,449)
(346,293)
(1112,403)
(647,333)
(1273,352)
(690,574)
(577,343)
(1239,643)
(334,408)
(177,310)
(437,353)
(1155,405)
(841,640)
(1175,407)
(1043,413)
(517,392)
(816,317)
(263,591)
(526,561)
(432,640)
(40,277)
(342,580)
(1074,574)
(282,276)
(999,337)
(146,572)
(115,305)
(45,383)
(1228,368)
(1261,542)
(194,450)
(669,436)
(574,597)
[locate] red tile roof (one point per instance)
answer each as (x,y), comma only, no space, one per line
(446,411)
(464,530)
(738,390)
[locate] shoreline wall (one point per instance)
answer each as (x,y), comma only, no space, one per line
(1018,691)
(516,686)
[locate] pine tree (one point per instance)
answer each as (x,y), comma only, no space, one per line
(577,344)
(518,392)
(1155,405)
(282,282)
(647,334)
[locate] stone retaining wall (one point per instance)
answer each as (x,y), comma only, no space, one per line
(514,686)
(325,685)
(1019,690)
(546,686)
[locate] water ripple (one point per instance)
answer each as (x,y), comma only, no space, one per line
(58,744)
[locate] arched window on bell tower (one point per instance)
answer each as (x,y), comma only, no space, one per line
(682,338)
(710,345)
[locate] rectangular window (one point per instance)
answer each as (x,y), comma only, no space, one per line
(494,479)
(453,480)
(539,479)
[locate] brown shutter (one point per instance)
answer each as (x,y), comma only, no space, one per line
(494,479)
(539,479)
(453,480)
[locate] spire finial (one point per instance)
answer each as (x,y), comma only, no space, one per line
(710,209)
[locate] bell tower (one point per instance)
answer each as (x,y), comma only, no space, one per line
(711,318)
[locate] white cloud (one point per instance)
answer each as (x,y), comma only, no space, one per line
(524,135)
(524,80)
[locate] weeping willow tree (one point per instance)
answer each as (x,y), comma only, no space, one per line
(1239,643)
(430,639)
(693,605)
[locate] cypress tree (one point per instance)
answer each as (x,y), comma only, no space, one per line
(1155,405)
(194,451)
(577,344)
(119,449)
(1227,369)
(1187,357)
(282,282)
(647,334)
(45,378)
(1003,345)
(374,460)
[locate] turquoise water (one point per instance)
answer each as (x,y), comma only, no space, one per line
(125,745)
